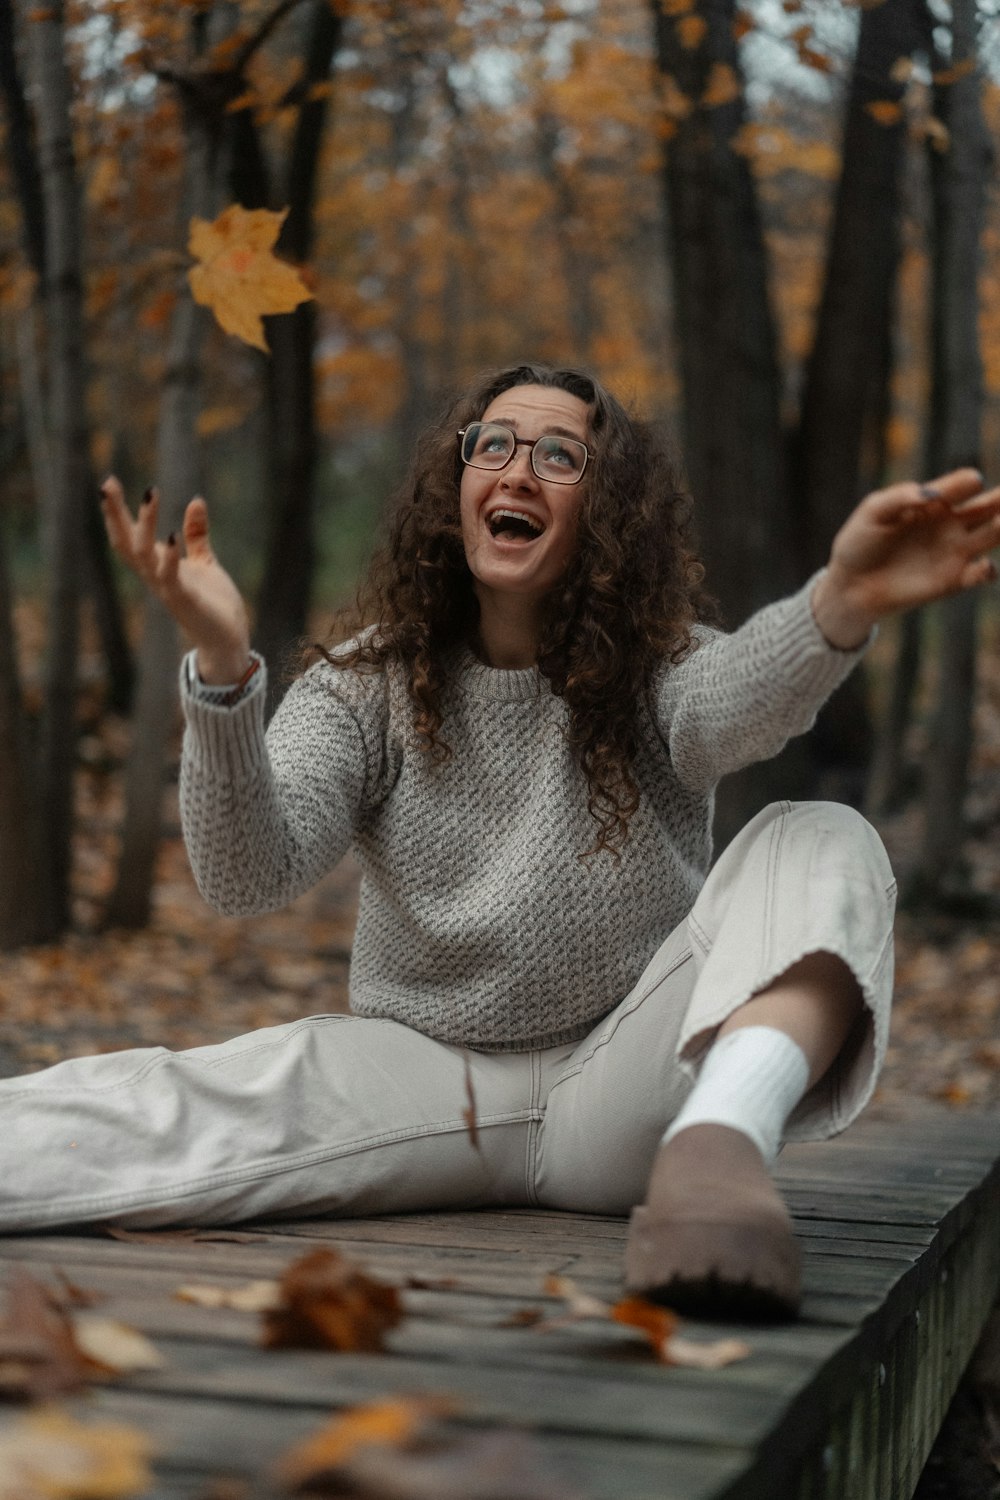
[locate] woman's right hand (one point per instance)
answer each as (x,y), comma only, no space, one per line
(187,578)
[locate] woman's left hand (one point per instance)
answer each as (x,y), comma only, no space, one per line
(905,546)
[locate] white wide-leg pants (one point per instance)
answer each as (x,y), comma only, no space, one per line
(341,1115)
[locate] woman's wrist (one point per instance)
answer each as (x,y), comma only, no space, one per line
(842,622)
(222,668)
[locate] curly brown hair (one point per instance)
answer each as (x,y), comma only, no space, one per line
(626,603)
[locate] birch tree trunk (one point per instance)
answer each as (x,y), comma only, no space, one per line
(959,175)
(68,442)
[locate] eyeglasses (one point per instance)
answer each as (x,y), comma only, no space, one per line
(488,445)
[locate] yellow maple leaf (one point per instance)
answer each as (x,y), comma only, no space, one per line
(238,276)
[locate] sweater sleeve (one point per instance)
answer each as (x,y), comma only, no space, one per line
(739,698)
(266,816)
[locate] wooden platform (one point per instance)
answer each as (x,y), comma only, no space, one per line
(900,1222)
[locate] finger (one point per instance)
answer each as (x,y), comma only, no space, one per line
(167,562)
(957,485)
(910,501)
(984,536)
(979,508)
(978,572)
(144,530)
(117,520)
(196,538)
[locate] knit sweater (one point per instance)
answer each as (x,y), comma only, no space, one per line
(479,924)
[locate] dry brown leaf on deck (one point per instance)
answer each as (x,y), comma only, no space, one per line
(385,1451)
(47,1455)
(710,1355)
(71,1295)
(112,1346)
(469,1112)
(184,1236)
(39,1357)
(251,1296)
(659,1324)
(579,1305)
(387,1423)
(329,1302)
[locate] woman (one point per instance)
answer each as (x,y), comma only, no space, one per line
(522,752)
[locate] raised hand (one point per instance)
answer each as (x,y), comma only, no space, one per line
(186,576)
(904,546)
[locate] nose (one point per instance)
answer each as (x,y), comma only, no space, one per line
(518,474)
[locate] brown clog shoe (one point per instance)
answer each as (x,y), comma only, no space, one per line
(714,1239)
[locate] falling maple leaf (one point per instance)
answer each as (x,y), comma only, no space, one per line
(47,1455)
(237,274)
(329,1302)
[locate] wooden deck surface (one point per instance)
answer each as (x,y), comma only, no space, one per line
(900,1222)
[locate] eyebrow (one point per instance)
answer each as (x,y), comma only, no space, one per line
(548,432)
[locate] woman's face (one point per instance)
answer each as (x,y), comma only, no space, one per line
(513,560)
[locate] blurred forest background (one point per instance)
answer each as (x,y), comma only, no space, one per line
(773,224)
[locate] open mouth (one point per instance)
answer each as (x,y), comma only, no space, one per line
(514,525)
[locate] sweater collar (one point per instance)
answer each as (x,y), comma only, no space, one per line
(499,684)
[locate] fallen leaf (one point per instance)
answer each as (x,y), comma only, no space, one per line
(469,1113)
(71,1295)
(578,1304)
(238,276)
(329,1302)
(704,1356)
(39,1357)
(384,1423)
(47,1455)
(114,1346)
(385,1450)
(252,1296)
(484,1466)
(657,1323)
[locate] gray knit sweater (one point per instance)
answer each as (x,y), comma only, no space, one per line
(478,923)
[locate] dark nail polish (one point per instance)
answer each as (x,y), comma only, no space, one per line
(930,492)
(147,495)
(172,539)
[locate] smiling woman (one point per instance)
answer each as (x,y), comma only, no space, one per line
(521,746)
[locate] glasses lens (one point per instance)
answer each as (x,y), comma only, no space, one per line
(487,446)
(559,459)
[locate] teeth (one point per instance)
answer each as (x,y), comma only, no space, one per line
(515,515)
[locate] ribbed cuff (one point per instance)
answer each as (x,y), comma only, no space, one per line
(228,740)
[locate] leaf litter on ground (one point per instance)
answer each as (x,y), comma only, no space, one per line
(48,1455)
(397,1450)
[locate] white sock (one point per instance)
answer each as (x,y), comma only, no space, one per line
(751,1080)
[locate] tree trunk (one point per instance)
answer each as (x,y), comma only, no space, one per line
(837,447)
(727,346)
(68,443)
(283,600)
(178,468)
(25,915)
(733,443)
(958,180)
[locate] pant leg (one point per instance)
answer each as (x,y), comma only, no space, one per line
(327,1115)
(800,878)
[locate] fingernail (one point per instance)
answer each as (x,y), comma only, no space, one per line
(147,495)
(930,492)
